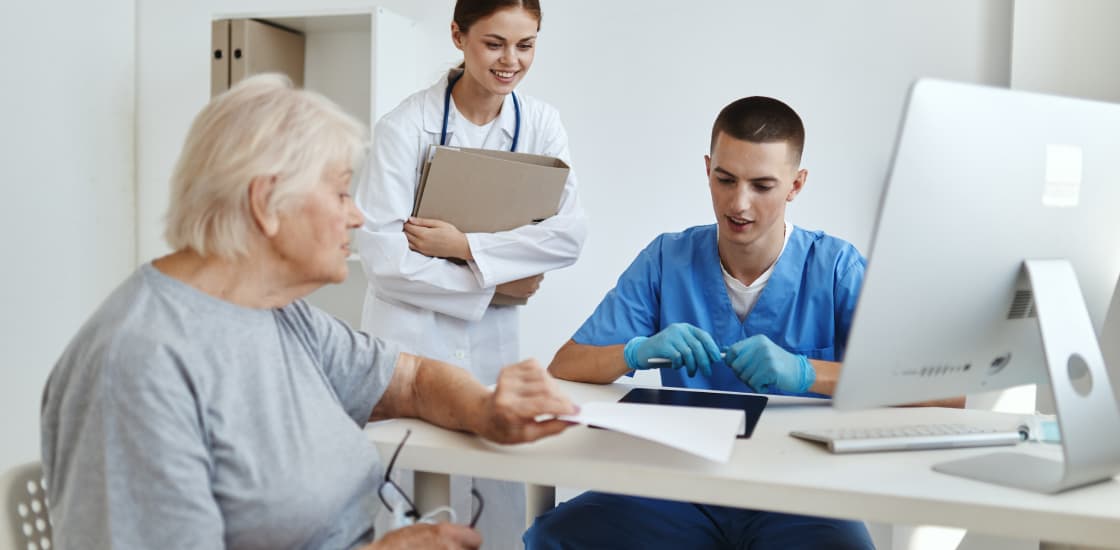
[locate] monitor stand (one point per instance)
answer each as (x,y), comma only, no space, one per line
(1110,341)
(1088,415)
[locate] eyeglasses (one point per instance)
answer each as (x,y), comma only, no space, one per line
(388,491)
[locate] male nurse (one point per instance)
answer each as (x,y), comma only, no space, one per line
(749,303)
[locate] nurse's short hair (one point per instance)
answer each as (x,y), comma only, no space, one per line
(262,126)
(760,119)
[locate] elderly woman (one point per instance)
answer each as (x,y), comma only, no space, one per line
(204,405)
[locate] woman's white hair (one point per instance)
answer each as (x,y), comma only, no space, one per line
(264,127)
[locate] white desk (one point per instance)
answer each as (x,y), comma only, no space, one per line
(774,471)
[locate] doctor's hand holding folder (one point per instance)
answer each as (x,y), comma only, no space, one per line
(485,191)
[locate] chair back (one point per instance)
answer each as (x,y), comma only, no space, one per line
(26,524)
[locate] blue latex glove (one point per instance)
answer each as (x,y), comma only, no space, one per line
(681,343)
(765,366)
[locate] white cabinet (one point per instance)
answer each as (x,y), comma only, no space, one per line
(363,60)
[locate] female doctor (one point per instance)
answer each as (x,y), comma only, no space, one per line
(431,286)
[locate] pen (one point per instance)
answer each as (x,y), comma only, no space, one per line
(664,361)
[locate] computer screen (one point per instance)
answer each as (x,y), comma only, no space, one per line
(984,182)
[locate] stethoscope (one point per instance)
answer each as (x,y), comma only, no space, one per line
(447,107)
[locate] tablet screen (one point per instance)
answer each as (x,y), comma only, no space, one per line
(752,405)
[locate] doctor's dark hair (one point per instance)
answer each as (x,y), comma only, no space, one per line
(468,12)
(759,119)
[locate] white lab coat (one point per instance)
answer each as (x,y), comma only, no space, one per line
(434,307)
(440,309)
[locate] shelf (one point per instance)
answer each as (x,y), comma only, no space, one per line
(362,59)
(359,22)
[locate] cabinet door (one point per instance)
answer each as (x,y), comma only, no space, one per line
(219,57)
(259,48)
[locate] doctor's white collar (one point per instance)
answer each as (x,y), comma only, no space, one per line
(433,111)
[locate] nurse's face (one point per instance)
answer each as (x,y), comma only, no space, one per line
(498,50)
(751,184)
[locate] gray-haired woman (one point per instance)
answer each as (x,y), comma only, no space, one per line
(204,405)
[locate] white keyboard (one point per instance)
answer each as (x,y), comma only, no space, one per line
(910,438)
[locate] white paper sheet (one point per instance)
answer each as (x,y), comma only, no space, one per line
(705,432)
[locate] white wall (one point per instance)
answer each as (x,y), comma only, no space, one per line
(66,170)
(1067,48)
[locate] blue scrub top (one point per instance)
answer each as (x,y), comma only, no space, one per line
(806,306)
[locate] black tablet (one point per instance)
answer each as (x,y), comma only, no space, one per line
(752,405)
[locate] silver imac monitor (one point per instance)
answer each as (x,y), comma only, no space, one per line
(993,264)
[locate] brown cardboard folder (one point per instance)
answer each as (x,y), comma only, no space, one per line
(484,191)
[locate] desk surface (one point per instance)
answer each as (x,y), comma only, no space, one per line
(774,471)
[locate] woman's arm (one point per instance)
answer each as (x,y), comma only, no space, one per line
(442,536)
(449,396)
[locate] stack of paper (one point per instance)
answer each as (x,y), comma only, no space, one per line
(705,432)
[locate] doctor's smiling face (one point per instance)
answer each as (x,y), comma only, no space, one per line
(498,49)
(750,185)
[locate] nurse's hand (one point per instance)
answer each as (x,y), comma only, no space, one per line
(765,366)
(448,536)
(437,239)
(682,344)
(521,288)
(525,391)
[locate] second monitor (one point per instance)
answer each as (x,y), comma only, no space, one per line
(995,255)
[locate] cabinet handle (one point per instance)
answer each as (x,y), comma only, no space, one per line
(237,53)
(217,54)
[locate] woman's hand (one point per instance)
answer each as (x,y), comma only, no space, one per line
(524,392)
(521,288)
(437,239)
(442,536)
